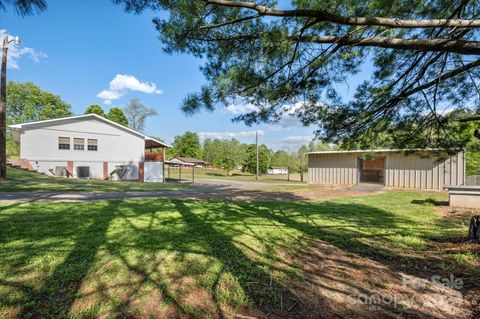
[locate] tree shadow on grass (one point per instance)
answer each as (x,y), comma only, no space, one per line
(59,289)
(212,229)
(160,243)
(430,202)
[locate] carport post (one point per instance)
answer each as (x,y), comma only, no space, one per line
(193,174)
(180,173)
(163,159)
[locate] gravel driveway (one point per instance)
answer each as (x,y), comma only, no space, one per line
(206,189)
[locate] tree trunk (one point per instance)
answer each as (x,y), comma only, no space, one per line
(474,229)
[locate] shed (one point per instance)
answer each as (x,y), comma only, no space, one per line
(405,168)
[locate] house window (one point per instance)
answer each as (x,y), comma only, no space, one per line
(64,143)
(92,144)
(79,144)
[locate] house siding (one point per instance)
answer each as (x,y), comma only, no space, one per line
(420,170)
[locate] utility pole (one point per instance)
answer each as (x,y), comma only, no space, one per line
(256,142)
(3,108)
(3,112)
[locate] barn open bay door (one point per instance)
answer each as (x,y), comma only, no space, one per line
(372,169)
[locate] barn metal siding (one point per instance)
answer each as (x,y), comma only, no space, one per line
(420,170)
(332,168)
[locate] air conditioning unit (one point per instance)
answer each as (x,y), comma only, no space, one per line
(83,171)
(61,171)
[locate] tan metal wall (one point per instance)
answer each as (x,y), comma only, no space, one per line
(422,171)
(332,168)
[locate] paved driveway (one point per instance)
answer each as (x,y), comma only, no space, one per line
(202,189)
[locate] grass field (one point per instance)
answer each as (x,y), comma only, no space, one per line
(161,258)
(19,180)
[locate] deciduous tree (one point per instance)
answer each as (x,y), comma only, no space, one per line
(27,102)
(302,160)
(95,109)
(137,114)
(250,164)
(186,145)
(116,114)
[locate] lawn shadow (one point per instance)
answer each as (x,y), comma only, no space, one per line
(430,202)
(164,244)
(54,297)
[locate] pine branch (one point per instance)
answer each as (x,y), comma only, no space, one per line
(360,21)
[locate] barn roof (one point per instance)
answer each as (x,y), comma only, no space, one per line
(392,150)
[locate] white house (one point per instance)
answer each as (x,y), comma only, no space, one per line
(273,170)
(89,146)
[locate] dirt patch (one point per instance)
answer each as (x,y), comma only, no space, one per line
(325,192)
(339,284)
(353,286)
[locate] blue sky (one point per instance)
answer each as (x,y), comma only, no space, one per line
(77,49)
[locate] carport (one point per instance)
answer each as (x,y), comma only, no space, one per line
(176,165)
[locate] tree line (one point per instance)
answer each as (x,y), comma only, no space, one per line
(27,102)
(231,154)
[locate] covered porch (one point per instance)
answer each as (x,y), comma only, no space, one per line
(154,150)
(152,170)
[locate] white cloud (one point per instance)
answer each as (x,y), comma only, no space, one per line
(122,83)
(291,143)
(287,120)
(297,139)
(228,135)
(108,96)
(15,52)
(237,109)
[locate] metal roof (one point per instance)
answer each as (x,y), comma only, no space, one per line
(179,163)
(92,115)
(189,160)
(392,150)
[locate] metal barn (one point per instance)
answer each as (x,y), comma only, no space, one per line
(405,168)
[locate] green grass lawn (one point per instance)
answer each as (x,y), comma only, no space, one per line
(22,181)
(155,258)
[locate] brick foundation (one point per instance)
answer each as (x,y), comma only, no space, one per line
(141,173)
(105,170)
(70,168)
(24,163)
